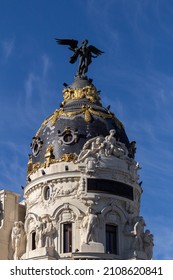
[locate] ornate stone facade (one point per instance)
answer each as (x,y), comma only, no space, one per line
(82,195)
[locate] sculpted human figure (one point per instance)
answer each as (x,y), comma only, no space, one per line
(133,167)
(85,58)
(39,238)
(18,240)
(114,147)
(49,234)
(110,142)
(92,147)
(49,155)
(148,244)
(90,222)
(132,149)
(84,52)
(138,233)
(122,150)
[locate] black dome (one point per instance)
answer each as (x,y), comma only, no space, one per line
(80,118)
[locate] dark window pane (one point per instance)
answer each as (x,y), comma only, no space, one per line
(67,232)
(33,247)
(47,193)
(111,187)
(111,239)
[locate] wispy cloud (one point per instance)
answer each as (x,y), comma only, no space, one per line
(46,64)
(36,94)
(7,47)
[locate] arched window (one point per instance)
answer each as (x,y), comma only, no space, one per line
(111,239)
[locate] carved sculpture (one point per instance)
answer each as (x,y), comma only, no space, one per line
(91,148)
(49,155)
(49,234)
(142,241)
(114,147)
(138,233)
(68,157)
(89,224)
(84,52)
(44,232)
(39,238)
(18,240)
(148,244)
(100,145)
(132,149)
(133,166)
(88,92)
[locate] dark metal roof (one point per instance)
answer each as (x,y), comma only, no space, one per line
(77,121)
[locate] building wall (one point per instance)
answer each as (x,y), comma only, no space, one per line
(69,202)
(11,211)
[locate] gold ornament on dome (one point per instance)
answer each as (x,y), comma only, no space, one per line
(88,92)
(49,159)
(35,167)
(30,164)
(87,111)
(49,156)
(68,157)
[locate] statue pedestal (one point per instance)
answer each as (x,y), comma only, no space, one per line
(92,247)
(138,255)
(44,253)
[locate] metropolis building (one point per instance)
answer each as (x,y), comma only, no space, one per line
(82,196)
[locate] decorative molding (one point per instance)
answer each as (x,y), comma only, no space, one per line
(49,159)
(88,92)
(87,111)
(61,187)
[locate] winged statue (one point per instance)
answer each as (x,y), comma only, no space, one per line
(84,52)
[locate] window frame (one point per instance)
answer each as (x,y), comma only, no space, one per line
(67,235)
(111,245)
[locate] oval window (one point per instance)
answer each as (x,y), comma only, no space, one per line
(68,138)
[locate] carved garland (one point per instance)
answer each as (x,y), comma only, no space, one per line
(87,111)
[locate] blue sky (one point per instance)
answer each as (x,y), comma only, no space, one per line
(135,76)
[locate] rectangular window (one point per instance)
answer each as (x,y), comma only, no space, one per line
(110,187)
(111,239)
(67,238)
(33,245)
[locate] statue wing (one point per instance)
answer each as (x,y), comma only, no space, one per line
(69,42)
(95,50)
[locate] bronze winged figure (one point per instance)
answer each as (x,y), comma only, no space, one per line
(84,52)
